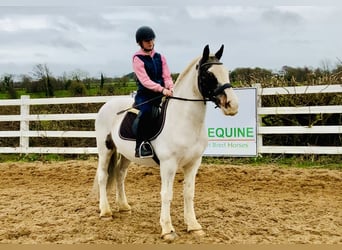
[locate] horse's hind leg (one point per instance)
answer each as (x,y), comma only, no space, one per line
(120,173)
(106,164)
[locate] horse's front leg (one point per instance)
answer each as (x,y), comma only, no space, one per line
(167,173)
(190,172)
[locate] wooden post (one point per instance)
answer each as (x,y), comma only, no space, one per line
(259,120)
(24,123)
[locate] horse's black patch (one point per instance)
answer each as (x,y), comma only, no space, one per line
(109,142)
(153,130)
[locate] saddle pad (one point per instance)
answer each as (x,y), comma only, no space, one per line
(126,131)
(154,129)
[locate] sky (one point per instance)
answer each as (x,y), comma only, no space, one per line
(99,36)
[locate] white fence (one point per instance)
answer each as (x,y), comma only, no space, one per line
(24,134)
(264,130)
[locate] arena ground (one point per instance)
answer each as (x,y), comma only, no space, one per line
(52,203)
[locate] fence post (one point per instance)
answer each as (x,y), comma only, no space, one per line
(259,120)
(24,123)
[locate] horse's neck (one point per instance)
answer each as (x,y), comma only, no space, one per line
(186,87)
(186,84)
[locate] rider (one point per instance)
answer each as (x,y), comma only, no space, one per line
(153,80)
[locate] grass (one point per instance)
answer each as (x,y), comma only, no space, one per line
(42,157)
(284,161)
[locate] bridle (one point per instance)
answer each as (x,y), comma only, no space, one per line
(208,94)
(206,85)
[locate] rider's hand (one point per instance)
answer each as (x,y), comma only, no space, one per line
(167,92)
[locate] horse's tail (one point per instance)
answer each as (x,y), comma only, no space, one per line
(112,163)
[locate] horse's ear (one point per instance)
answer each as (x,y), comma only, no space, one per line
(219,53)
(205,55)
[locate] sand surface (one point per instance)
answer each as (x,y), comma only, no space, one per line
(51,203)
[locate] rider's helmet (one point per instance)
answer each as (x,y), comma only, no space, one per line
(144,33)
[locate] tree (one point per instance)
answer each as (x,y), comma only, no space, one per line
(293,75)
(79,75)
(78,89)
(102,81)
(8,86)
(174,76)
(43,75)
(247,76)
(122,81)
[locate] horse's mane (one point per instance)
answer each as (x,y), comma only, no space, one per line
(181,75)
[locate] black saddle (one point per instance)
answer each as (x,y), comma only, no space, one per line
(153,129)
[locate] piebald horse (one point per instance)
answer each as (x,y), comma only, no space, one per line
(180,144)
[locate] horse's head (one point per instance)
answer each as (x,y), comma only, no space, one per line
(213,82)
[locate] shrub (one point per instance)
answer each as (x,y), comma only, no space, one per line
(78,89)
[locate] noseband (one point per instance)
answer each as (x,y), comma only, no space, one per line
(210,93)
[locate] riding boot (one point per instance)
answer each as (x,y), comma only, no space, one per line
(143,148)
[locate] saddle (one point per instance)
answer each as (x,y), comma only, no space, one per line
(153,129)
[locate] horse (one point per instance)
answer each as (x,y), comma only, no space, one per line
(180,144)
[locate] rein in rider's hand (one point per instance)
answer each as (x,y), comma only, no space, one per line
(167,92)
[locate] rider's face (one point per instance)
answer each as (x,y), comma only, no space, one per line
(148,44)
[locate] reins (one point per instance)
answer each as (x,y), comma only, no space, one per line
(216,92)
(188,99)
(159,96)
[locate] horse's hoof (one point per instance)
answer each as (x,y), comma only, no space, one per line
(107,216)
(197,233)
(169,237)
(125,209)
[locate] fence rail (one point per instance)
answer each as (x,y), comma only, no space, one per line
(24,118)
(278,130)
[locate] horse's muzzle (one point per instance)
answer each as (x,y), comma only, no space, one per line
(228,102)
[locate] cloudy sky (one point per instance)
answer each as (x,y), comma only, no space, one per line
(99,36)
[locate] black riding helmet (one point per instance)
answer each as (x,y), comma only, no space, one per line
(144,33)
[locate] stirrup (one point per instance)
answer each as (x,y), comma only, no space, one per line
(147,145)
